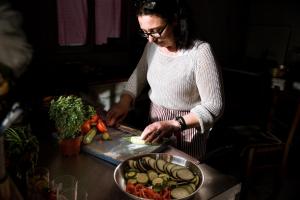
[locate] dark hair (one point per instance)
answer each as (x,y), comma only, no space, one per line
(170,10)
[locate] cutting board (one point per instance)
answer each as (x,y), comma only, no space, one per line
(118,148)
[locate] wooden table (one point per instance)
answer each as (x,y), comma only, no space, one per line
(96,176)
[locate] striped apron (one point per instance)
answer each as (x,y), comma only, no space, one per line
(190,141)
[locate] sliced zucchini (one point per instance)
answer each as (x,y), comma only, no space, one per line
(133,170)
(171,184)
(196,180)
(157,182)
(166,166)
(175,169)
(132,180)
(169,167)
(145,163)
(152,174)
(185,174)
(131,174)
(131,164)
(135,164)
(179,193)
(164,176)
(189,188)
(141,165)
(146,159)
(152,163)
(142,178)
(181,182)
(160,163)
(193,186)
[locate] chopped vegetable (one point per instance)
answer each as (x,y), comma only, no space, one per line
(179,193)
(159,179)
(87,139)
(152,174)
(106,136)
(132,181)
(160,163)
(94,118)
(137,140)
(130,174)
(146,192)
(142,178)
(101,126)
(185,174)
(86,127)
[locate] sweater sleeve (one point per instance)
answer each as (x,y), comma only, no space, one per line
(210,86)
(138,78)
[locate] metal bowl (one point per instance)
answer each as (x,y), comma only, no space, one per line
(121,182)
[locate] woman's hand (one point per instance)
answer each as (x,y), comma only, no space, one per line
(156,131)
(119,110)
(116,114)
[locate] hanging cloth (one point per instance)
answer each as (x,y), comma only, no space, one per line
(107,20)
(72,22)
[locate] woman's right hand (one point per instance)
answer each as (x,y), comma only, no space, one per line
(119,110)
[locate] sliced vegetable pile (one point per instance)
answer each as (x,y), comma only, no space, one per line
(138,140)
(91,127)
(158,179)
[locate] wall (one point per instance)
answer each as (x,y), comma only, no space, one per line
(226,25)
(284,14)
(221,24)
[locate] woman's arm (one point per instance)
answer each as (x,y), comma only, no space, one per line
(210,86)
(119,110)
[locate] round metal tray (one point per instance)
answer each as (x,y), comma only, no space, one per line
(120,179)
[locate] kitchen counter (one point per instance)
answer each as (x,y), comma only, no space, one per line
(96,176)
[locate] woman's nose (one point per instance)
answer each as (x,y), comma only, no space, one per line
(151,39)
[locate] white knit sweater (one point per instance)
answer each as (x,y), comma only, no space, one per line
(189,80)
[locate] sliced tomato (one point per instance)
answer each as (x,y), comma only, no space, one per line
(86,127)
(130,188)
(101,126)
(166,194)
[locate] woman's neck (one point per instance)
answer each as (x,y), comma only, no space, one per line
(169,50)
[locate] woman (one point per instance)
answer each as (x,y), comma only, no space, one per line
(186,89)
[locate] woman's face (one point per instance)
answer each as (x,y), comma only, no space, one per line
(157,30)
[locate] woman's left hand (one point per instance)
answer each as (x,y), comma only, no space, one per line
(154,132)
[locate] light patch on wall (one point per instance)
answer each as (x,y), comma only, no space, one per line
(108,94)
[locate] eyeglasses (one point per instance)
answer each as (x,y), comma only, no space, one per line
(153,34)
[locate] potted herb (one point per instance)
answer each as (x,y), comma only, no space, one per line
(21,148)
(68,113)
